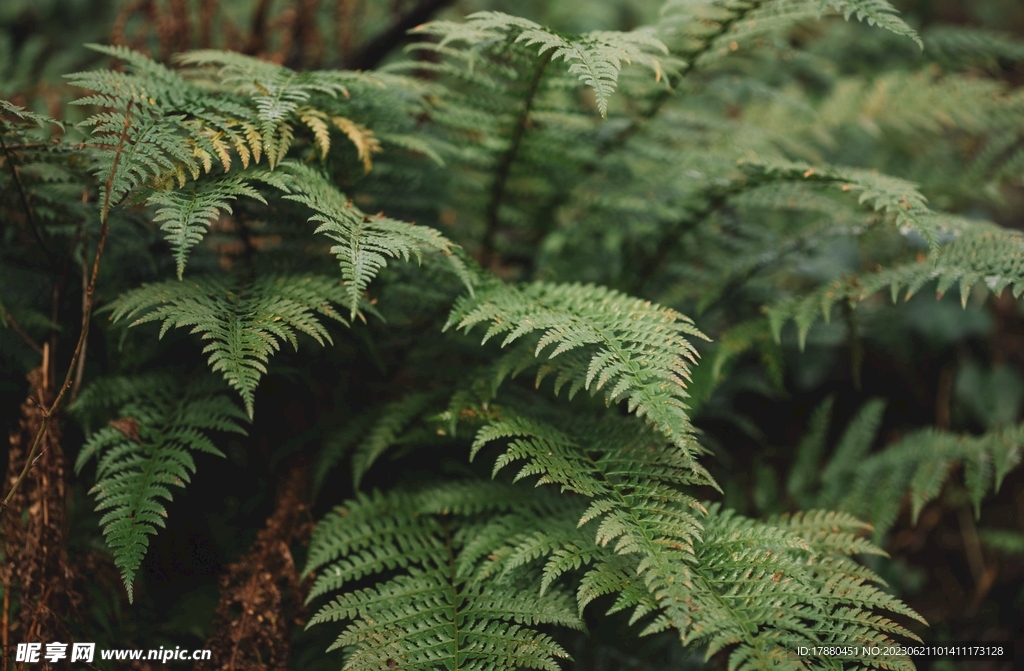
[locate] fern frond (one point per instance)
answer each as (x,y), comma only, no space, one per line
(145,452)
(850,452)
(365,242)
(877,13)
(279,95)
(809,453)
(41,120)
(965,45)
(768,590)
(427,615)
(244,324)
(635,351)
(883,193)
(633,483)
(186,215)
(387,427)
(875,486)
(980,254)
(920,464)
(596,57)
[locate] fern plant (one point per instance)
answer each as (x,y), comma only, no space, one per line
(657,216)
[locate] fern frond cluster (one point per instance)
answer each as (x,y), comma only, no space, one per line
(573,218)
(244,324)
(430,614)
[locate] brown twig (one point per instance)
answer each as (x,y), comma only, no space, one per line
(80,368)
(5,625)
(9,318)
(374,52)
(87,310)
(20,188)
(491,217)
(261,594)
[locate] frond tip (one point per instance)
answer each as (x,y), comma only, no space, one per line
(146,451)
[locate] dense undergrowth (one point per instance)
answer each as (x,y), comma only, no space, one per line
(484,335)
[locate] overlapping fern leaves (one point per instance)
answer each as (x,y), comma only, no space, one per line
(145,450)
(465,576)
(429,615)
(602,340)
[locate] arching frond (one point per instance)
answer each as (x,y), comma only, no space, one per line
(631,349)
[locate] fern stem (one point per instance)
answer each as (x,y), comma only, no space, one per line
(9,318)
(51,256)
(505,164)
(86,319)
(455,591)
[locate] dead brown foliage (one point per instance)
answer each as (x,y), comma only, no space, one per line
(39,591)
(261,595)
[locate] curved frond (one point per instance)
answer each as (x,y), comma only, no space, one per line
(631,349)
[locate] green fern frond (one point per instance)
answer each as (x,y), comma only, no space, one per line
(980,254)
(809,453)
(245,324)
(144,452)
(891,195)
(387,427)
(964,45)
(186,215)
(850,452)
(921,464)
(875,486)
(24,115)
(427,616)
(634,350)
(768,589)
(596,57)
(877,13)
(365,242)
(633,483)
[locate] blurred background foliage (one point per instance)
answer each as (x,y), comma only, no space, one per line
(932,362)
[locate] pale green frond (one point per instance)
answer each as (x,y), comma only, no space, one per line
(244,323)
(876,13)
